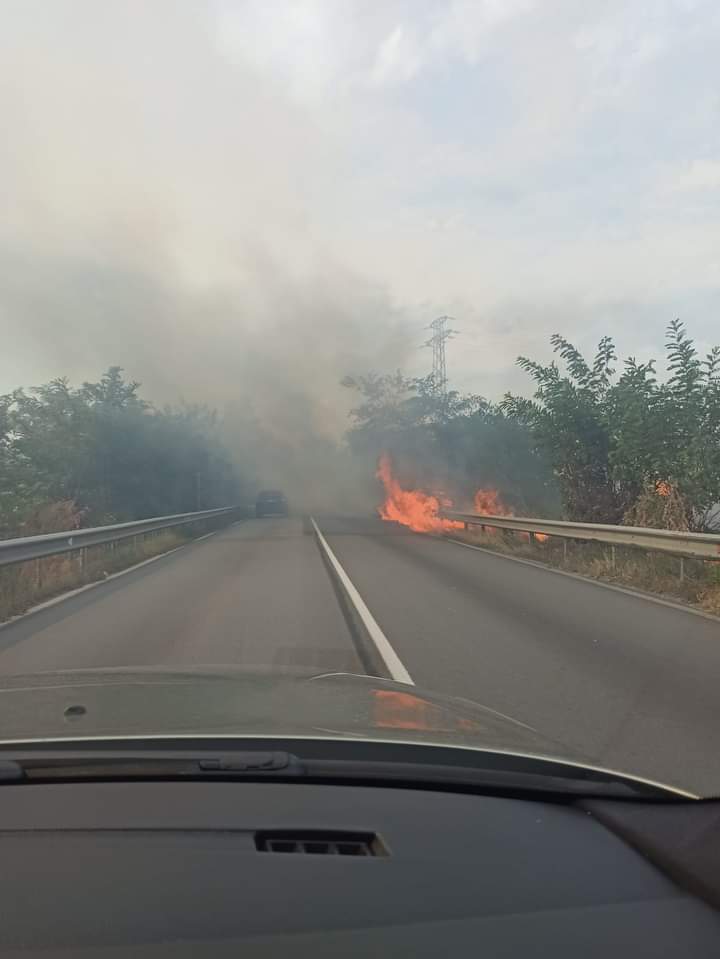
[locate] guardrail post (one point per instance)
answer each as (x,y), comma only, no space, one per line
(564,550)
(612,555)
(682,569)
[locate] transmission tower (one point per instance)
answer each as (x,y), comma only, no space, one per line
(441,334)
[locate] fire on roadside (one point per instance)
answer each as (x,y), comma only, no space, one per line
(411,507)
(487,502)
(420,511)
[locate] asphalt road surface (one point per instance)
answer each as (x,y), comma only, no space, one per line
(255,594)
(628,683)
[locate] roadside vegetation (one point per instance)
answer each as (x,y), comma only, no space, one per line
(95,455)
(593,445)
(631,449)
(101,454)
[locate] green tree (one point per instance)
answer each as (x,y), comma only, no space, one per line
(109,452)
(610,441)
(567,420)
(689,412)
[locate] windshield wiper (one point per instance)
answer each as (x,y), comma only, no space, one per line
(78,766)
(256,765)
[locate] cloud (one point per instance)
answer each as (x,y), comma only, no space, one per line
(304,45)
(699,175)
(399,58)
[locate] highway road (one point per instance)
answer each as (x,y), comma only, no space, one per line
(628,683)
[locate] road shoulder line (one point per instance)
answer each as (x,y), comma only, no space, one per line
(391,661)
(70,594)
(628,591)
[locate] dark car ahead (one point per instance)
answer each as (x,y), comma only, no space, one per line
(271,502)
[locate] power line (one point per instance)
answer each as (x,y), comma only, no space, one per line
(441,334)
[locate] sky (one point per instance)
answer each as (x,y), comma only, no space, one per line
(241,202)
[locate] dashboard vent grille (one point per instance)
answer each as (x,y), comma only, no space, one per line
(319,843)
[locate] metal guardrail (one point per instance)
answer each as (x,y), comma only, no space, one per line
(703,545)
(25,548)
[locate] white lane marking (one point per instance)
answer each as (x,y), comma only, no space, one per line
(99,582)
(388,655)
(627,590)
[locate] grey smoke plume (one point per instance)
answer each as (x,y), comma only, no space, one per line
(160,213)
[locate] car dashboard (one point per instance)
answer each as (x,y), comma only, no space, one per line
(275,868)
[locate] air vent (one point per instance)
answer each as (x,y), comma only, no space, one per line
(320,843)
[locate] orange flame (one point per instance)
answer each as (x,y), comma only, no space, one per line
(488,503)
(411,508)
(420,511)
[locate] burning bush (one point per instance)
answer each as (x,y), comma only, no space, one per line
(410,507)
(420,510)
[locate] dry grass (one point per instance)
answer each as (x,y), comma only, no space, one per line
(655,573)
(26,584)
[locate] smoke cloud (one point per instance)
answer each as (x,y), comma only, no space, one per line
(241,201)
(161,213)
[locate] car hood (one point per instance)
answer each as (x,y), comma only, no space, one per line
(227,701)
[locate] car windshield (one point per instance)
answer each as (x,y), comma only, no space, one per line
(360,376)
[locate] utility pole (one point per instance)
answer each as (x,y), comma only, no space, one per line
(441,333)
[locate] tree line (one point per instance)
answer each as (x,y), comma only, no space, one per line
(100,453)
(590,444)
